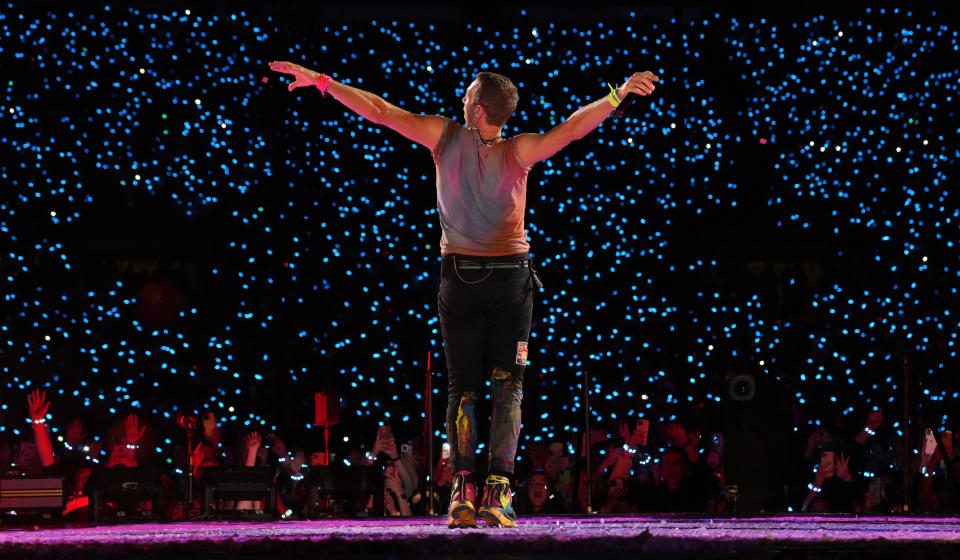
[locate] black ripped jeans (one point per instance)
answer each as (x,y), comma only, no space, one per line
(485,319)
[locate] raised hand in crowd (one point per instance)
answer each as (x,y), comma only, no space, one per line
(616,463)
(843,468)
(394,500)
(677,435)
(38,406)
(384,443)
(538,455)
(817,439)
(133,430)
(870,427)
(75,434)
(930,462)
(124,451)
(823,472)
(251,443)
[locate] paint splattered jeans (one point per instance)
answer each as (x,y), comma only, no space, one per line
(485,321)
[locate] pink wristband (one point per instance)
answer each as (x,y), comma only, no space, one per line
(323,82)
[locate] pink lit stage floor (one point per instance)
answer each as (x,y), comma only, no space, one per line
(584,538)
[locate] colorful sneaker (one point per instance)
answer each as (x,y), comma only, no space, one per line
(496,507)
(464,494)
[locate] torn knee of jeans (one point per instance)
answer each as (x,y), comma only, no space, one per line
(511,386)
(505,382)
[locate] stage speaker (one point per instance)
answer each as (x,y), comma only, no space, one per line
(343,490)
(223,484)
(758,431)
(128,488)
(35,497)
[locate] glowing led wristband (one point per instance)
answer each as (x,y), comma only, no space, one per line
(323,82)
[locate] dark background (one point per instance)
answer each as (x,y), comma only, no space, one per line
(275,245)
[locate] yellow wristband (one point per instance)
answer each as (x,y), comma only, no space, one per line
(612,97)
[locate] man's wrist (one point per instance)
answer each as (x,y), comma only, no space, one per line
(323,82)
(613,98)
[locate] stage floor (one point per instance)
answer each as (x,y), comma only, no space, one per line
(536,537)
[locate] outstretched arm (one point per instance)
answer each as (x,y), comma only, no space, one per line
(422,129)
(532,148)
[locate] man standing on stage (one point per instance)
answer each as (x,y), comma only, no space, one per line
(486,278)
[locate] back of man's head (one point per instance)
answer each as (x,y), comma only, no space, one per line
(498,97)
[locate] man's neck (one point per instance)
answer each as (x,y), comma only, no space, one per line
(488,133)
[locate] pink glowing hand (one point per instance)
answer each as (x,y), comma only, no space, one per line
(252,440)
(133,429)
(38,405)
(75,434)
(303,77)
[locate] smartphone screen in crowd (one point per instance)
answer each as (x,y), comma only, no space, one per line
(445,452)
(929,443)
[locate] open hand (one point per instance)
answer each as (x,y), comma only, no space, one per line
(75,435)
(38,405)
(134,430)
(843,468)
(302,76)
(252,440)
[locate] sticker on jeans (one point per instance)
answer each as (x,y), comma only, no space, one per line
(521,353)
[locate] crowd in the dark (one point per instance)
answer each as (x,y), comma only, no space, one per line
(188,248)
(639,467)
